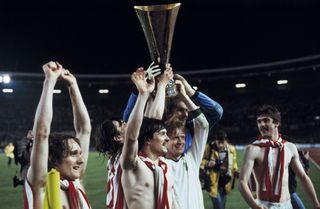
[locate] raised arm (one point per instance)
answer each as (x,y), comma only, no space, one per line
(37,173)
(152,71)
(246,170)
(130,147)
(304,178)
(155,107)
(81,119)
(200,125)
(211,109)
(200,136)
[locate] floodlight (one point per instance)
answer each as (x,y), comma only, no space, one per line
(240,85)
(7,91)
(6,79)
(103,91)
(282,82)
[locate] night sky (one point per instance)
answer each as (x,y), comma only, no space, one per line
(106,37)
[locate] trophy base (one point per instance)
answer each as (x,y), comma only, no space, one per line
(171,90)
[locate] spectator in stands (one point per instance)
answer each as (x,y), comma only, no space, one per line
(295,199)
(220,163)
(67,154)
(268,158)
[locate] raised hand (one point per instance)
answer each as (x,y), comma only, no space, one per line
(52,70)
(166,76)
(180,87)
(189,90)
(211,163)
(68,77)
(143,86)
(152,71)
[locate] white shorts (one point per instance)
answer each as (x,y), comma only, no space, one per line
(275,205)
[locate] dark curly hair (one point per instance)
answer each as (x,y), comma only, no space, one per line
(59,148)
(104,138)
(148,128)
(171,106)
(269,111)
(221,135)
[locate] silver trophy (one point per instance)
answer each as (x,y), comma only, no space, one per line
(158,22)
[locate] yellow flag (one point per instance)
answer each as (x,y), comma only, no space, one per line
(52,198)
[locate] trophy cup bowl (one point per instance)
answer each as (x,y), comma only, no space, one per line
(158,23)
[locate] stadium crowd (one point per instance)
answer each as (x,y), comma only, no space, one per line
(299,111)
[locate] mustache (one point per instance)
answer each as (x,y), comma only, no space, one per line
(263,129)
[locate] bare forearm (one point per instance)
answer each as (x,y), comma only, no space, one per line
(130,146)
(157,106)
(43,115)
(41,131)
(81,117)
(308,187)
(136,117)
(247,194)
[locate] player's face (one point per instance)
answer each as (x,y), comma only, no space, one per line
(158,144)
(71,166)
(267,126)
(176,143)
(221,144)
(181,111)
(120,130)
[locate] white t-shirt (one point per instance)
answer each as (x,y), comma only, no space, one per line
(187,185)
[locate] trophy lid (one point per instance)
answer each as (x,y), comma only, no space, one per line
(160,7)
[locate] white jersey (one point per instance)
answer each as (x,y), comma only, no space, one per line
(187,185)
(29,197)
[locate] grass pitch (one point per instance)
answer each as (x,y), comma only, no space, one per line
(95,184)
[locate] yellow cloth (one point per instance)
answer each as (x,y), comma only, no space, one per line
(52,198)
(8,150)
(214,176)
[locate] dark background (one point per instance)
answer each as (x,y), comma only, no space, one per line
(105,37)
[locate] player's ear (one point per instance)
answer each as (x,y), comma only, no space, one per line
(277,123)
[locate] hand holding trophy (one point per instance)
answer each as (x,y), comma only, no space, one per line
(158,22)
